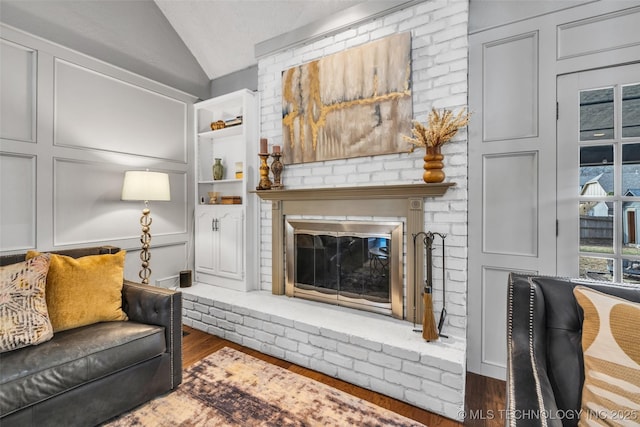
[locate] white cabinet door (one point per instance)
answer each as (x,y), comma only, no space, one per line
(219,241)
(228,244)
(204,243)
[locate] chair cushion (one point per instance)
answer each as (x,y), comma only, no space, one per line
(85,290)
(72,358)
(610,337)
(24,319)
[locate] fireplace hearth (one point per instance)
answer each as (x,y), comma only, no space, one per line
(348,263)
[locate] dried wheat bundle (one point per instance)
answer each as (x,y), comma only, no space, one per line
(441,127)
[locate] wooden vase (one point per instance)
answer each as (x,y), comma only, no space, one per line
(433,165)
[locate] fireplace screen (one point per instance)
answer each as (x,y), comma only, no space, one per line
(355,264)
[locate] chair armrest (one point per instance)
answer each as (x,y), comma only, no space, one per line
(162,307)
(529,393)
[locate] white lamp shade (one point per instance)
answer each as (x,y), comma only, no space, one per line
(145,185)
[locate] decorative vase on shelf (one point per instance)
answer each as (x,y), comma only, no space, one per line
(433,165)
(218,170)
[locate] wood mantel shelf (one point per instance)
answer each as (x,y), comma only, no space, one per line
(403,191)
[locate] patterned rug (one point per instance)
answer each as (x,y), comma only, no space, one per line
(230,388)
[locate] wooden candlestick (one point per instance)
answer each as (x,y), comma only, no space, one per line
(265,183)
(276,168)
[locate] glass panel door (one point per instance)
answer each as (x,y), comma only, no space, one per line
(599,173)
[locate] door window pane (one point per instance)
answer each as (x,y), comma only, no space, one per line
(631,170)
(630,222)
(596,170)
(596,227)
(596,114)
(630,270)
(596,268)
(631,111)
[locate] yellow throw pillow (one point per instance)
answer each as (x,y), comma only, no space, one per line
(611,347)
(24,319)
(83,291)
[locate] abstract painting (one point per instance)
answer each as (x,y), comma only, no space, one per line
(350,104)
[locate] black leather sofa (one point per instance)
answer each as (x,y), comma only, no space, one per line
(545,368)
(87,375)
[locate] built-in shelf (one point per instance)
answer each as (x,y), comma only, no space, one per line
(355,193)
(222,133)
(221,181)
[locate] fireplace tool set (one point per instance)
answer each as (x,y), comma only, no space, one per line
(428,330)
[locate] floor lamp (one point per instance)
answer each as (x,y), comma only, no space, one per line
(145,186)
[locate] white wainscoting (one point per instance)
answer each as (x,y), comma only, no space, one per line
(18,88)
(18,208)
(94,121)
(118,116)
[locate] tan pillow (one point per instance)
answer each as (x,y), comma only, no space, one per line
(24,319)
(611,346)
(85,290)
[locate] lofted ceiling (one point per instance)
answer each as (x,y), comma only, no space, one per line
(185,43)
(222,34)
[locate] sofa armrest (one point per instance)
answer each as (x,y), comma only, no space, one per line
(529,393)
(162,307)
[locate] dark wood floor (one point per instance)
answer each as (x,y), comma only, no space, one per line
(484,400)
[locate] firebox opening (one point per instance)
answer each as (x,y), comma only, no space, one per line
(354,264)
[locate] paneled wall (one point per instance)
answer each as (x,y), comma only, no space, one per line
(513,72)
(439,79)
(71,125)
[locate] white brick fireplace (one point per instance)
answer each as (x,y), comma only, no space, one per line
(367,349)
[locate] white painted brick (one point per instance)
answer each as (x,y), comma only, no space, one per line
(265,337)
(407,381)
(214,330)
(251,343)
(349,34)
(385,360)
(287,344)
(324,367)
(233,317)
(401,353)
(369,369)
(297,358)
(188,305)
(273,351)
(195,315)
(199,325)
(336,47)
(447,394)
(356,41)
(352,351)
(201,308)
(334,335)
(338,359)
(209,320)
(310,350)
(244,331)
(455,381)
(419,398)
(282,321)
(384,387)
(353,377)
(402,15)
(421,371)
(324,343)
(371,345)
(455,411)
(273,329)
(296,335)
(252,322)
(382,32)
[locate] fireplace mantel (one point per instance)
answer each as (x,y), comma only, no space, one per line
(403,191)
(404,200)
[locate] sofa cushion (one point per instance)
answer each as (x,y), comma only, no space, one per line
(610,337)
(73,358)
(85,290)
(24,319)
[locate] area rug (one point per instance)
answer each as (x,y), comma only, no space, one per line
(231,388)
